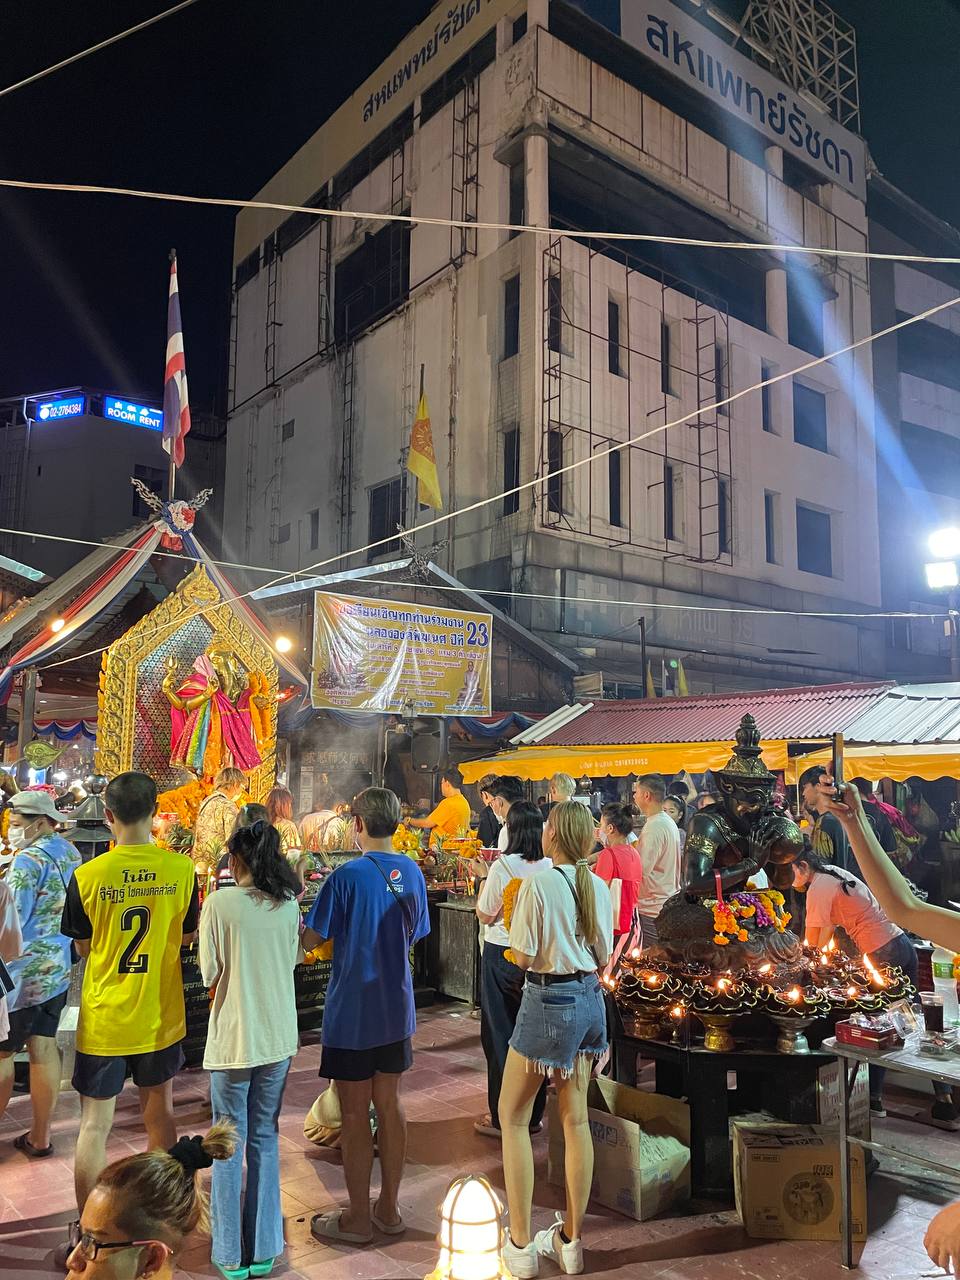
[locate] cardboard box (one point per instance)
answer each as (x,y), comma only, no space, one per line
(787,1183)
(828,1099)
(641,1144)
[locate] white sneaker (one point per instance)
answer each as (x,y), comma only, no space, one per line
(523,1263)
(568,1257)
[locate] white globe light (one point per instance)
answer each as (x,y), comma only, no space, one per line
(283,644)
(945,543)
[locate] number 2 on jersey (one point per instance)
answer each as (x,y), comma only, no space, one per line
(138,919)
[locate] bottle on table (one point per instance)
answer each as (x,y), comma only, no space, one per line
(945,985)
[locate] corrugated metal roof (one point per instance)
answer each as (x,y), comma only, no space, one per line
(909,714)
(804,713)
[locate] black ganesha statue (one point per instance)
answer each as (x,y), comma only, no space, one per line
(728,843)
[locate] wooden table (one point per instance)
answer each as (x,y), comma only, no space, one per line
(702,1077)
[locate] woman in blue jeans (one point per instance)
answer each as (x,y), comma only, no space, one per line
(501,981)
(561,934)
(249,945)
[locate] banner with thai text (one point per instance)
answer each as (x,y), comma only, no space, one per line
(406,659)
(682,45)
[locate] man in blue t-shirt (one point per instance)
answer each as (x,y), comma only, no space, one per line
(374,909)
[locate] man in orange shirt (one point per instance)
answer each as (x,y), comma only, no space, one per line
(451,817)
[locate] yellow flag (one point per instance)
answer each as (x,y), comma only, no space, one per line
(651,691)
(422,461)
(683,689)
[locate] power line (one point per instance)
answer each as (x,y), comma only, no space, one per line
(95,48)
(228,202)
(573,466)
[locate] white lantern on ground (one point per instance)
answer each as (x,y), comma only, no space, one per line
(471,1232)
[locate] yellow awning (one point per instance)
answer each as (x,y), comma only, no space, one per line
(899,762)
(535,764)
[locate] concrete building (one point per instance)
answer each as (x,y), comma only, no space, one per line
(68,458)
(917,383)
(543,350)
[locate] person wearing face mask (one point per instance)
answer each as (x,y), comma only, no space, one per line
(249,943)
(42,867)
(142,1208)
(129,910)
(504,792)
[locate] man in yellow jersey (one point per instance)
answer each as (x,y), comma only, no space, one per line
(129,911)
(451,817)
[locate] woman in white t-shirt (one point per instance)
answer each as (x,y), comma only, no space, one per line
(249,945)
(561,934)
(836,899)
(501,981)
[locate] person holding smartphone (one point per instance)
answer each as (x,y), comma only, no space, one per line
(938,924)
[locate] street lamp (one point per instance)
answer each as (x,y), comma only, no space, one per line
(943,574)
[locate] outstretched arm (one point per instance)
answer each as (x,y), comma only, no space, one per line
(885,881)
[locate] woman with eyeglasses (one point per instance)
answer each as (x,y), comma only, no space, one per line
(143,1207)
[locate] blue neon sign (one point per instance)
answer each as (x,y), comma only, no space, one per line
(137,415)
(67,407)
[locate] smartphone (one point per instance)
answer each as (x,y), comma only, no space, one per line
(837,764)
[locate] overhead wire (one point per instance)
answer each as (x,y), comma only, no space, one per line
(541,480)
(94,48)
(518,228)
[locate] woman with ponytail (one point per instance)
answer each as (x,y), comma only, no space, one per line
(142,1208)
(836,899)
(249,945)
(561,934)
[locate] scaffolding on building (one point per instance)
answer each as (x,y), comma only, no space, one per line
(569,433)
(465,170)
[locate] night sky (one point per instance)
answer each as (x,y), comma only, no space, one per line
(213,100)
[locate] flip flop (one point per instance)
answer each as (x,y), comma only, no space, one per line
(326,1226)
(397,1229)
(24,1144)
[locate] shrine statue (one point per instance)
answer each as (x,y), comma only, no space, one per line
(728,843)
(217,713)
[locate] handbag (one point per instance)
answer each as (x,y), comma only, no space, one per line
(324,1121)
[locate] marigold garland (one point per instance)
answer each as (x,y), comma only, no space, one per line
(763,906)
(509,902)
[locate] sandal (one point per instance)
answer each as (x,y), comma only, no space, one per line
(263,1268)
(24,1144)
(398,1228)
(326,1226)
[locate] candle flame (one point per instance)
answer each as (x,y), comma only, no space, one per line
(853,991)
(635,953)
(654,978)
(793,994)
(873,971)
(677,1011)
(832,945)
(766,968)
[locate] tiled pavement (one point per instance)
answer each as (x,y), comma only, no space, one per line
(444,1093)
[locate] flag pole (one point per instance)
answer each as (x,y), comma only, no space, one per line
(172,482)
(421,381)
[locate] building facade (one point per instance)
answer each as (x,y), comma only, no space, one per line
(68,459)
(540,351)
(917,383)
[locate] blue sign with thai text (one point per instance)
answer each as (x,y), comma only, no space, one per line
(67,407)
(138,415)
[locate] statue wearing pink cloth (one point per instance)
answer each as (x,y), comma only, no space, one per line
(212,715)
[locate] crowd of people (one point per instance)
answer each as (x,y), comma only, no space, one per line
(570,889)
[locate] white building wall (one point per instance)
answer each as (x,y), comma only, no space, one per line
(453,325)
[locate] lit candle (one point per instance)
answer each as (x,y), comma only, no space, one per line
(853,991)
(794,994)
(766,968)
(653,979)
(677,1011)
(635,953)
(872,970)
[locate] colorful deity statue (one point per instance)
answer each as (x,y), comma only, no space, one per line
(216,713)
(727,844)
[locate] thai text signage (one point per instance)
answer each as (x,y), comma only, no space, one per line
(392,656)
(682,45)
(138,415)
(67,407)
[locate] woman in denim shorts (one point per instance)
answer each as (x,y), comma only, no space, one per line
(561,934)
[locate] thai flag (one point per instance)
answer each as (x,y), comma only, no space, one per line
(176,402)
